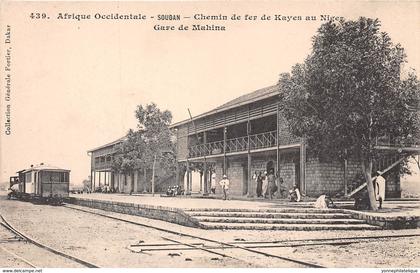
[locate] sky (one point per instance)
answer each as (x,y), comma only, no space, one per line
(75,84)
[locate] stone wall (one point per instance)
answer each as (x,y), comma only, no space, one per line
(236,177)
(173,215)
(328,177)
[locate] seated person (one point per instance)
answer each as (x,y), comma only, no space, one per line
(295,195)
(324,202)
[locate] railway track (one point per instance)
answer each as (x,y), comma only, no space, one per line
(213,246)
(26,238)
(196,246)
(269,244)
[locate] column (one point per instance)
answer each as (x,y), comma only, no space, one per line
(92,179)
(345,172)
(187,190)
(206,186)
(248,130)
(177,173)
(145,180)
(224,150)
(278,194)
(302,166)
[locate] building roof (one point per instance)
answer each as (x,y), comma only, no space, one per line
(254,96)
(121,139)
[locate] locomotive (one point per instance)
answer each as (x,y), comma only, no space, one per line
(41,183)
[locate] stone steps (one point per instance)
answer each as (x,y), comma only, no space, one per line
(276,215)
(275,210)
(277,221)
(294,227)
(287,218)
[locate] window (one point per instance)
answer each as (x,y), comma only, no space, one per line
(64,177)
(28,177)
(55,177)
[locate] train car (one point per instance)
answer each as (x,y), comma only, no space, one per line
(43,182)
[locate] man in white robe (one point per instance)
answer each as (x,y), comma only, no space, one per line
(380,188)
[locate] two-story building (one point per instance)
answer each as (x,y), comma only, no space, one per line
(102,173)
(249,134)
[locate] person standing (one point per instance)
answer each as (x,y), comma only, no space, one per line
(213,183)
(380,188)
(265,185)
(225,186)
(272,187)
(258,180)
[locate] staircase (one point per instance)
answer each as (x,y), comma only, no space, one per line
(278,219)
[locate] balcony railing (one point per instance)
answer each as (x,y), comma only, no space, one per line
(386,141)
(239,144)
(103,165)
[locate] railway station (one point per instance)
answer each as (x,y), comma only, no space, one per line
(246,137)
(249,135)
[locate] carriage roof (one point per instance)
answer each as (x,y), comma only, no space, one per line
(43,167)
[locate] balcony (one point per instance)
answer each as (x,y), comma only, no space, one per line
(239,144)
(400,144)
(102,165)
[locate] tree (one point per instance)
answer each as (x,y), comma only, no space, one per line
(150,145)
(349,91)
(130,153)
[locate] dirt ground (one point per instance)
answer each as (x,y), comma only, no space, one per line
(106,242)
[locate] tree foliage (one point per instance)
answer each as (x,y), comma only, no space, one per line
(349,92)
(152,140)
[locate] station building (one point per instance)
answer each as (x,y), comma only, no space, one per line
(249,134)
(102,173)
(137,181)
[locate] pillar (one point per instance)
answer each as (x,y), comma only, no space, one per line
(205,174)
(248,129)
(145,180)
(92,179)
(302,167)
(187,190)
(205,166)
(278,194)
(224,150)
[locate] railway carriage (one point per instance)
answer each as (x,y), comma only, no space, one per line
(42,182)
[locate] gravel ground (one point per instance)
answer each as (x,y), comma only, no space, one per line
(106,242)
(15,253)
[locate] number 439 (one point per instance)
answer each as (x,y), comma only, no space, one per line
(37,15)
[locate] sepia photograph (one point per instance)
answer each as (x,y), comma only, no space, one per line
(210,134)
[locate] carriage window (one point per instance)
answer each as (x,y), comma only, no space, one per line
(64,177)
(28,177)
(54,177)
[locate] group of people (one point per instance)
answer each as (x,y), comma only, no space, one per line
(266,184)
